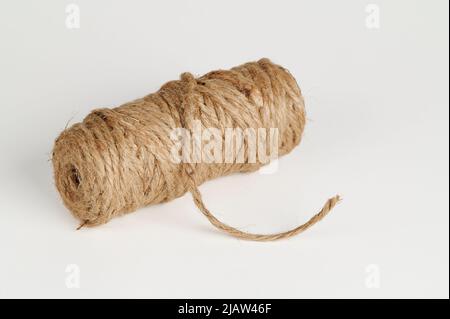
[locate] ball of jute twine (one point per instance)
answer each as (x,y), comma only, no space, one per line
(118,160)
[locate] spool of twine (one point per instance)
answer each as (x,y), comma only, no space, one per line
(118,160)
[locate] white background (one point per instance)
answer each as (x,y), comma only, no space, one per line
(377,133)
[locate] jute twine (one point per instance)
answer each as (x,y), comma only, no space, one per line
(118,160)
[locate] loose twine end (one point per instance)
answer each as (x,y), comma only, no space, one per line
(327,207)
(82,225)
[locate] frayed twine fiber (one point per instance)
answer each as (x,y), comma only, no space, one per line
(118,160)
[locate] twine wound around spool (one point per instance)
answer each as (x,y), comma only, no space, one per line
(118,160)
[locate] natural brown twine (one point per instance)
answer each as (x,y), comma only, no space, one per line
(118,160)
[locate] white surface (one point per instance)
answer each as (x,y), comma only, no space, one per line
(377,102)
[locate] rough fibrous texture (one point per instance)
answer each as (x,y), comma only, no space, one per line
(118,160)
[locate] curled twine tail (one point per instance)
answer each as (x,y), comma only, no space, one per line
(197,196)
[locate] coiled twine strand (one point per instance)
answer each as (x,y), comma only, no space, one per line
(118,160)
